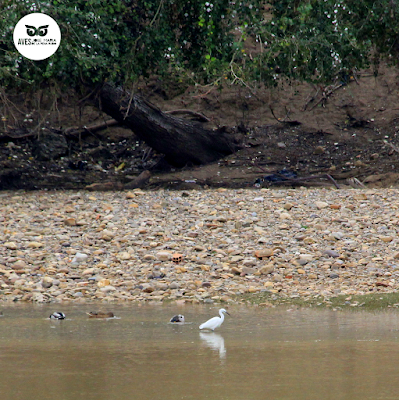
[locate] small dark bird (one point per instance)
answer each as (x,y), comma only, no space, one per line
(177,318)
(57,315)
(93,314)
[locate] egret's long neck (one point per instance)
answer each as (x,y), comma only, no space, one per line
(221,315)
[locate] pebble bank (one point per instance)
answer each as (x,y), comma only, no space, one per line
(197,246)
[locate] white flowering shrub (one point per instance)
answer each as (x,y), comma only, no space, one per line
(199,41)
(319,40)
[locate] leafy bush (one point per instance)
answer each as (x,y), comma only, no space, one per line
(201,41)
(318,40)
(120,40)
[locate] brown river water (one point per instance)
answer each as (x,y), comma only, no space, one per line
(258,353)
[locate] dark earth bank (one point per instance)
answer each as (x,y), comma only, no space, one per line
(344,134)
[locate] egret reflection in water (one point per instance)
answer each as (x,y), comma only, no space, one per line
(215,342)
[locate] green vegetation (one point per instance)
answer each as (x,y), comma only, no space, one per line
(373,301)
(205,42)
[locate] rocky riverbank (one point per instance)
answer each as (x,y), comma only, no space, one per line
(197,246)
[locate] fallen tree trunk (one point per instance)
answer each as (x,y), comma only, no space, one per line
(183,142)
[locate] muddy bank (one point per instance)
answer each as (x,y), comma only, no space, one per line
(349,133)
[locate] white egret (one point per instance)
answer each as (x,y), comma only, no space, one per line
(177,318)
(214,322)
(57,315)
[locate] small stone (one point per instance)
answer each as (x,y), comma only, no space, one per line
(124,255)
(331,253)
(107,235)
(236,270)
(249,262)
(301,271)
(79,258)
(35,245)
(37,297)
(264,253)
(277,278)
(309,240)
(148,289)
(88,271)
(174,285)
(321,204)
(386,239)
(337,235)
(70,221)
(130,195)
(47,282)
(103,283)
(285,215)
(164,255)
(11,245)
(108,288)
(288,206)
(199,248)
(266,269)
(247,271)
(383,284)
(305,258)
(319,150)
(19,265)
(360,196)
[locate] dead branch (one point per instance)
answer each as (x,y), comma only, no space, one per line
(200,117)
(310,99)
(291,123)
(74,130)
(326,95)
(392,146)
(306,178)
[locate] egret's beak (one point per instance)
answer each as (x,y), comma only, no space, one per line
(228,313)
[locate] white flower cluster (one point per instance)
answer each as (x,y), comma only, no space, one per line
(208,7)
(168,55)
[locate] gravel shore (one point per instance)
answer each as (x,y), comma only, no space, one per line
(127,246)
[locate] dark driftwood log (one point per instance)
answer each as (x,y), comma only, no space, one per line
(139,181)
(182,142)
